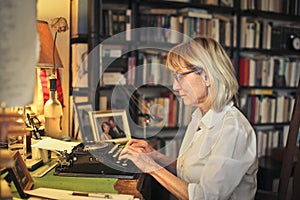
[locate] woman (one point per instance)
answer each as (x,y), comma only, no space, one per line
(217,158)
(106,132)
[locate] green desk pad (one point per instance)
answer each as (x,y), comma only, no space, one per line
(86,184)
(83,184)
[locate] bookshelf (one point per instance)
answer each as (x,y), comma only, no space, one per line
(147,85)
(268,68)
(269,73)
(259,37)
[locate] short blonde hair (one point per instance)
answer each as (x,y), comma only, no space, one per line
(206,53)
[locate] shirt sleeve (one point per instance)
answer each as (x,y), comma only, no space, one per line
(227,163)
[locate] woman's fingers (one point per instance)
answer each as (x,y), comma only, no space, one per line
(138,152)
(136,142)
(132,149)
(133,141)
(131,154)
(140,159)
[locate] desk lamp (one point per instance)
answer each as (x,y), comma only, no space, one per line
(49,59)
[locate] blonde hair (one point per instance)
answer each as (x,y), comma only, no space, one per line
(206,53)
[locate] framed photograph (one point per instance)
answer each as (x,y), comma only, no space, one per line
(79,65)
(85,128)
(110,126)
(20,175)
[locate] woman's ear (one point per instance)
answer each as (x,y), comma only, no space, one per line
(206,79)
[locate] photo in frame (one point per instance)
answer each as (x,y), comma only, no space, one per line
(20,175)
(82,110)
(110,126)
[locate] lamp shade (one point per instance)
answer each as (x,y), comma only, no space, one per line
(46,58)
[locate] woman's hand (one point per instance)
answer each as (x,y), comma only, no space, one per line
(140,144)
(139,151)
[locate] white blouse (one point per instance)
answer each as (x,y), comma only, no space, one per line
(219,161)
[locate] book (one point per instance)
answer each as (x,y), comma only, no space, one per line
(215,29)
(285,134)
(268,69)
(113,51)
(222,24)
(228,3)
(279,78)
(265,110)
(276,37)
(128,24)
(79,17)
(103,102)
(119,21)
(160,11)
(267,34)
(171,110)
(294,74)
(211,2)
(273,110)
(262,138)
(258,34)
(250,34)
(275,138)
(194,12)
(174,25)
(131,73)
(279,108)
(113,78)
(252,72)
(243,71)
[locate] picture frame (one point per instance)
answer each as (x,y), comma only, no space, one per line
(99,118)
(20,175)
(82,110)
(79,66)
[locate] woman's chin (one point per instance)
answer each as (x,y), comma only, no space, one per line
(186,101)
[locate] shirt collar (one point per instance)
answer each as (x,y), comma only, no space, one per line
(211,118)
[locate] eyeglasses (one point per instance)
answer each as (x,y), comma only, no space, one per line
(179,76)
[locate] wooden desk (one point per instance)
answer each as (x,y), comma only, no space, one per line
(84,184)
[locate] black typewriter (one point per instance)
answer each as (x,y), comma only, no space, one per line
(95,156)
(96,160)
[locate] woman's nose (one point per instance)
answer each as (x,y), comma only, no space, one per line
(176,85)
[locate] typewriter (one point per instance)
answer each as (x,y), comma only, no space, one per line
(97,156)
(96,160)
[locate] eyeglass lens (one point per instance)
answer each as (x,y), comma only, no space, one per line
(179,76)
